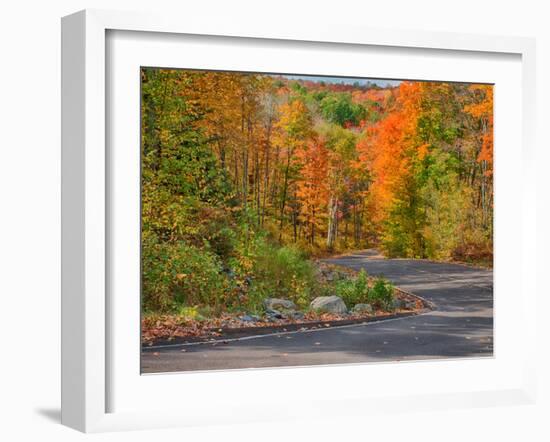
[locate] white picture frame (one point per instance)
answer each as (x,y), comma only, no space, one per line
(86,315)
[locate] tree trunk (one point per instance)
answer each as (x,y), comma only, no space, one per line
(346,232)
(236,171)
(332,222)
(158,143)
(312,225)
(295,209)
(283,198)
(257,185)
(266,171)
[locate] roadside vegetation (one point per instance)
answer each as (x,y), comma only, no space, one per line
(344,295)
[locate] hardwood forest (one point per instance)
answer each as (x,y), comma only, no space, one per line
(247,178)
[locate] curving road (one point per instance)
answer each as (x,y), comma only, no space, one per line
(460,326)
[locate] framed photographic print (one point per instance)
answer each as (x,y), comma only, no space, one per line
(294,214)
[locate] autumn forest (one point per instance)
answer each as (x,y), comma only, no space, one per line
(248,178)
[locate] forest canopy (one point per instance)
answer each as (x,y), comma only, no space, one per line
(245,176)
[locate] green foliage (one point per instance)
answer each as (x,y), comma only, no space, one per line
(339,109)
(179,274)
(353,291)
(357,290)
(403,228)
(441,121)
(373,111)
(381,294)
(298,88)
(283,272)
(319,95)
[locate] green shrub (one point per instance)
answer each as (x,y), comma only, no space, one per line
(216,231)
(180,275)
(381,294)
(353,291)
(282,272)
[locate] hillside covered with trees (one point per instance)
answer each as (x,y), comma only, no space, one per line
(246,177)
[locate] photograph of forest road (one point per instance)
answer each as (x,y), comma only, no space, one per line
(293,220)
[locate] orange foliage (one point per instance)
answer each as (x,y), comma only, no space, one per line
(388,148)
(312,188)
(380,96)
(484,111)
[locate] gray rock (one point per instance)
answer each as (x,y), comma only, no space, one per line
(278,304)
(293,314)
(401,304)
(329,304)
(363,308)
(410,305)
(273,314)
(334,275)
(250,318)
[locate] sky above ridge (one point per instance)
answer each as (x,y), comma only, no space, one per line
(344,80)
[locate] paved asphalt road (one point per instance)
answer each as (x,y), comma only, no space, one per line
(460,326)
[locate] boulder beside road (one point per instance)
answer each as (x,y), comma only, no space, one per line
(278,304)
(329,304)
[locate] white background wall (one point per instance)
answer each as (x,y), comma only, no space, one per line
(30,214)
